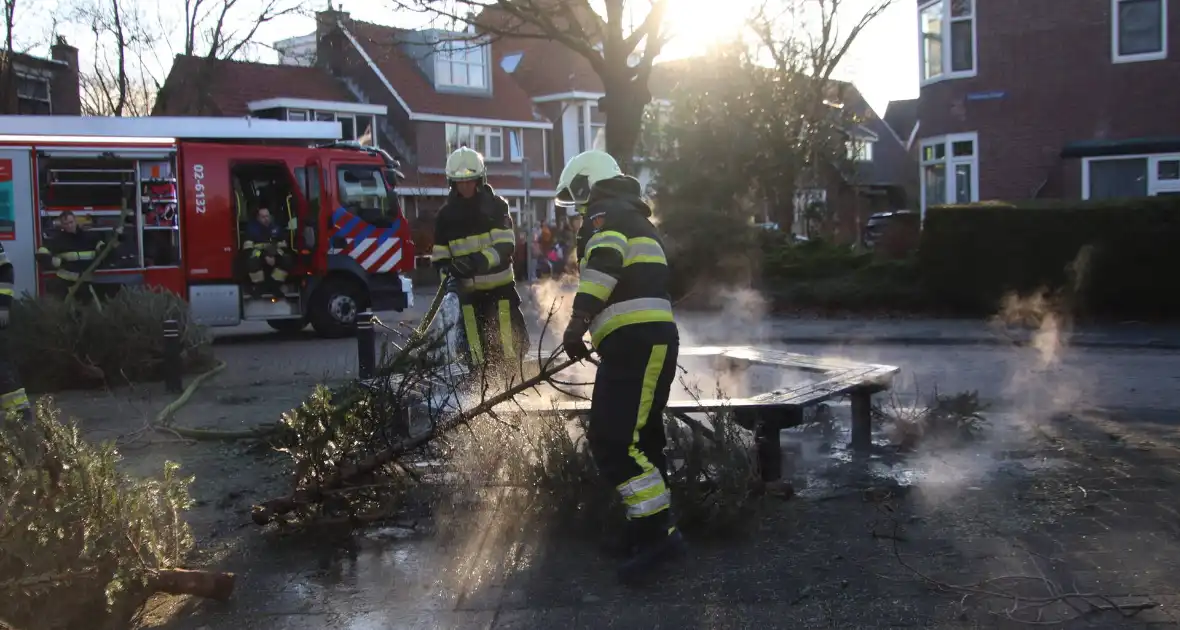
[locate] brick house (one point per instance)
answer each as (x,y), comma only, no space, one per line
(1022,100)
(42,86)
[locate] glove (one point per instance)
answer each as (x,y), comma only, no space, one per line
(3,318)
(450,284)
(464,266)
(572,342)
(293,224)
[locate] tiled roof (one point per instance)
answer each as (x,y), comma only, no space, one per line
(508,100)
(902,116)
(547,67)
(233,84)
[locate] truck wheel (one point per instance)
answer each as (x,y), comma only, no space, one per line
(334,308)
(287,326)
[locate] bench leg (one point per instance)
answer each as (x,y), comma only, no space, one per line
(770,450)
(862,420)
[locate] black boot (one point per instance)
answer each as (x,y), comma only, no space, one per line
(651,554)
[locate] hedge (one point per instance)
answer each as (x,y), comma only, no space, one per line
(972,255)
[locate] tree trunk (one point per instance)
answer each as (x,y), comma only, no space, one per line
(625,104)
(217,586)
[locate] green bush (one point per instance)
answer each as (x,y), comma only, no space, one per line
(971,256)
(118,340)
(707,247)
(826,277)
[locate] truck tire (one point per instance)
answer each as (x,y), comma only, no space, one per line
(287,326)
(334,307)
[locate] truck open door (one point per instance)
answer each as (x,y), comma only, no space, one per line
(312,249)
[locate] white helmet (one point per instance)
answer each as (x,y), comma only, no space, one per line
(581,173)
(465,164)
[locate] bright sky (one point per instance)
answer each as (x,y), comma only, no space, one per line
(883,63)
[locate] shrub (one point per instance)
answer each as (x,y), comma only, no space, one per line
(80,541)
(117,340)
(706,246)
(971,256)
(817,275)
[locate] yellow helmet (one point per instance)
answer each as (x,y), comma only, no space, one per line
(581,173)
(465,164)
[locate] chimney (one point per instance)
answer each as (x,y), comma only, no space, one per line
(66,99)
(62,51)
(328,43)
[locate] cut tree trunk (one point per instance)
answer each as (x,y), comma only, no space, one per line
(207,584)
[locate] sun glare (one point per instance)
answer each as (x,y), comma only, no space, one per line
(695,24)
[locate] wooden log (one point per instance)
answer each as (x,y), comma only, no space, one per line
(212,585)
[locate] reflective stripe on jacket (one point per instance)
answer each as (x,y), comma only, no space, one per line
(624,272)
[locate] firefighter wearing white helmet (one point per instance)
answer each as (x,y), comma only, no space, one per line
(623,302)
(473,250)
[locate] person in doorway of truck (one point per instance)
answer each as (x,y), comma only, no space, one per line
(622,301)
(269,262)
(12,394)
(69,253)
(474,244)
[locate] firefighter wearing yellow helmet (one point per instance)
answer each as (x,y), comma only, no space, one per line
(623,302)
(473,250)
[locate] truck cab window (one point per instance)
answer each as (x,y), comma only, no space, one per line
(365,192)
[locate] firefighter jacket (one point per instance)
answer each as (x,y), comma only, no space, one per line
(479,227)
(70,254)
(259,236)
(624,274)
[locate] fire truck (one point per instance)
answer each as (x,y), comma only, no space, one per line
(185,190)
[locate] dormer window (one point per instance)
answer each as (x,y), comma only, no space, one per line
(461,63)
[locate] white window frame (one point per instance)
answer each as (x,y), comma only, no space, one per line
(947,45)
(443,55)
(591,126)
(516,158)
(950,162)
(493,138)
(1162,53)
(1155,185)
(307,115)
(48,100)
(860,149)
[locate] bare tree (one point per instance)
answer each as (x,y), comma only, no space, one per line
(620,51)
(805,41)
(8,98)
(217,30)
(118,82)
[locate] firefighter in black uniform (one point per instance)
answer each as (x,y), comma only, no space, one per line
(69,253)
(473,249)
(623,302)
(12,394)
(266,243)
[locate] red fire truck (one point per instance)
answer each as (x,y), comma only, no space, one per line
(191,186)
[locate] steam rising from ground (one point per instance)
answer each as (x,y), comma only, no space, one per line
(1041,385)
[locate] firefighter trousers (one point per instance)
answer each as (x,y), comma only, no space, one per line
(493,326)
(626,429)
(259,271)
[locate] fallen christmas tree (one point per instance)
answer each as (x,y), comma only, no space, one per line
(83,545)
(424,421)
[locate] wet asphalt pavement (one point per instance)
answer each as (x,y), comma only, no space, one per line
(1073,482)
